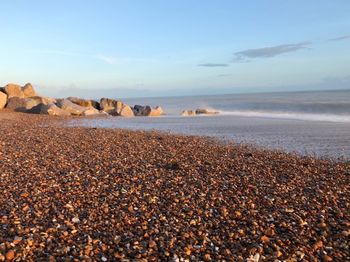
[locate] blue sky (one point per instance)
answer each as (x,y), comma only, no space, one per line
(179,47)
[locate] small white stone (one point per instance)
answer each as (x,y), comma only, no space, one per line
(75,220)
(104,259)
(257,257)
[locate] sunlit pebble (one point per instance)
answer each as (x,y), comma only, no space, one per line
(75,220)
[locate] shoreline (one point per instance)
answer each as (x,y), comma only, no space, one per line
(320,140)
(93,193)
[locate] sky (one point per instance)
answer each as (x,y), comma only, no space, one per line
(130,48)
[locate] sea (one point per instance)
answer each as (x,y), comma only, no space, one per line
(310,123)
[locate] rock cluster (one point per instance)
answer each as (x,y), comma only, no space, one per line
(199,111)
(91,194)
(25,99)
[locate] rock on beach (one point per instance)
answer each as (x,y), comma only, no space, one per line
(49,109)
(28,90)
(25,99)
(3,100)
(84,102)
(13,90)
(70,107)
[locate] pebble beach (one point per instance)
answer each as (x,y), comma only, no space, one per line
(95,194)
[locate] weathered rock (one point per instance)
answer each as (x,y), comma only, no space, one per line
(116,108)
(188,113)
(72,108)
(138,109)
(147,110)
(24,104)
(13,90)
(20,104)
(126,111)
(206,111)
(3,100)
(28,90)
(42,100)
(49,109)
(84,102)
(110,105)
(91,111)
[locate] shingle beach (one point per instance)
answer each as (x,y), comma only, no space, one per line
(93,194)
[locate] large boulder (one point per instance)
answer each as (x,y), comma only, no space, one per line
(72,108)
(49,109)
(28,90)
(13,90)
(91,111)
(3,100)
(206,111)
(21,104)
(147,111)
(84,102)
(110,105)
(138,110)
(126,111)
(116,108)
(24,104)
(188,113)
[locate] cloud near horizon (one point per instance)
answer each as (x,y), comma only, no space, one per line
(214,65)
(340,38)
(267,52)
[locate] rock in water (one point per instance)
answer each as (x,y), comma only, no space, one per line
(116,108)
(110,105)
(138,110)
(13,90)
(206,111)
(147,111)
(126,111)
(188,113)
(156,111)
(3,100)
(72,108)
(28,90)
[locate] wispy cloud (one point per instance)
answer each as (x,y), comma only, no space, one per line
(107,59)
(267,52)
(340,38)
(214,65)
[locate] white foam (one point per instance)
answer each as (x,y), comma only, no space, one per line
(291,115)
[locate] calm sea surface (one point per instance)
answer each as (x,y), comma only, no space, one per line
(311,123)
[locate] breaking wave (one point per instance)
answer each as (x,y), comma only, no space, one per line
(290,115)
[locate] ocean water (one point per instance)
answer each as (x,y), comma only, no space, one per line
(310,123)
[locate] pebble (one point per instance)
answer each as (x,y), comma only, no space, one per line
(10,255)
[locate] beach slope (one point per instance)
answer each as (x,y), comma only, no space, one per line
(98,194)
